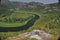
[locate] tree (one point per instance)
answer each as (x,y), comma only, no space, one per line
(0,0)
(59,1)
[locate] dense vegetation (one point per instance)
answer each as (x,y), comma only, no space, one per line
(4,12)
(49,21)
(13,19)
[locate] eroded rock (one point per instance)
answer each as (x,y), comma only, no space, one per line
(37,34)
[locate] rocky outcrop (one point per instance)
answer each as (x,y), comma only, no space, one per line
(7,3)
(38,34)
(4,1)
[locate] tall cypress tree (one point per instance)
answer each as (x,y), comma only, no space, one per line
(59,1)
(0,1)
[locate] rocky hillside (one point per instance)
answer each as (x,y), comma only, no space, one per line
(22,4)
(18,4)
(37,34)
(31,5)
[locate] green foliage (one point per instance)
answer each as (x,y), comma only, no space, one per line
(49,21)
(4,12)
(15,19)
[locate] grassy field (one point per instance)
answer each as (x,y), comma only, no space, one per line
(15,19)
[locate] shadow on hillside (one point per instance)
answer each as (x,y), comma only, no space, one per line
(24,27)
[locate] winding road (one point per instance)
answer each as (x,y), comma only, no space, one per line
(24,27)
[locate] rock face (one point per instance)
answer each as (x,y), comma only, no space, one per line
(4,1)
(38,34)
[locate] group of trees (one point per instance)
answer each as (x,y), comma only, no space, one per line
(12,20)
(4,12)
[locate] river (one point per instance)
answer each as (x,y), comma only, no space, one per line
(24,27)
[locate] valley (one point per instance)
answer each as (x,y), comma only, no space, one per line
(30,17)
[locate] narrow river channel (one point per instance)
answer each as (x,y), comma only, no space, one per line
(24,27)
